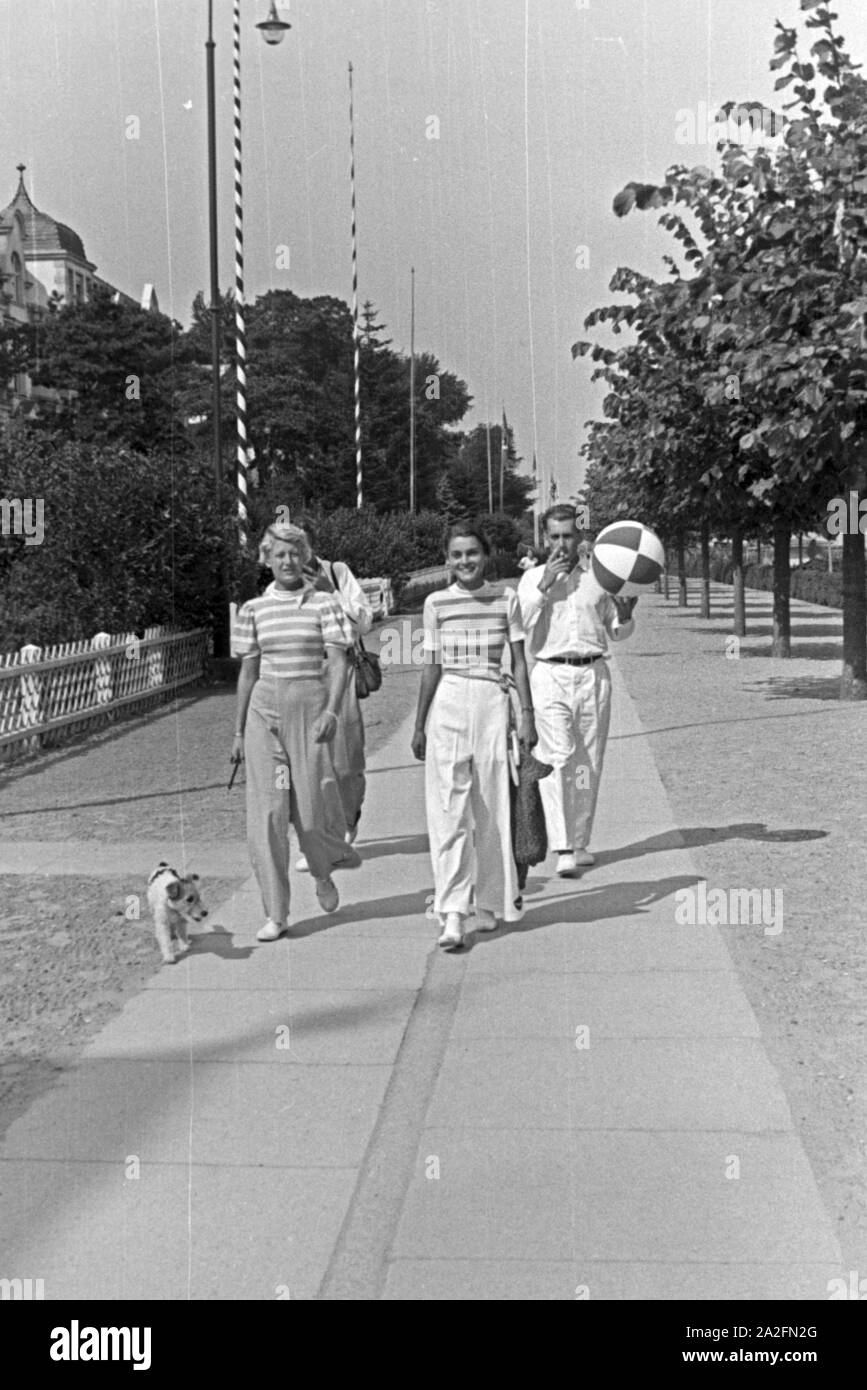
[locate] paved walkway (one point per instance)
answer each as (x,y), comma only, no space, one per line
(582,1102)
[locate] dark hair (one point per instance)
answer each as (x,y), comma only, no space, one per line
(467,528)
(561,512)
(304,524)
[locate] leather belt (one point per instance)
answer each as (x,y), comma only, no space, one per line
(574,660)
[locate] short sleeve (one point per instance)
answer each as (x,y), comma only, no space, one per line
(336,631)
(513,612)
(245,642)
(432,642)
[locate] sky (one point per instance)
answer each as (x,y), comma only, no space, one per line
(490,139)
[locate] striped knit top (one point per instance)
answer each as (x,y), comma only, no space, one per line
(467,629)
(290,629)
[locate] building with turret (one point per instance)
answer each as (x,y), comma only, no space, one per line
(43,266)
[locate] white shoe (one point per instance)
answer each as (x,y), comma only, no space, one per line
(326,892)
(583,858)
(485,920)
(351,834)
(452,937)
(271,931)
(566,865)
(301,865)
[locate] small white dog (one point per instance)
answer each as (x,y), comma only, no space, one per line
(174,902)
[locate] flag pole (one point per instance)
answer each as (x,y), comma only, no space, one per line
(536,502)
(240,336)
(412,391)
(490,473)
(357,352)
(502,455)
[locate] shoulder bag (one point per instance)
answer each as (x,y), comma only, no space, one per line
(368,670)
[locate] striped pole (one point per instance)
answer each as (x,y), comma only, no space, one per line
(412,390)
(358,471)
(240,338)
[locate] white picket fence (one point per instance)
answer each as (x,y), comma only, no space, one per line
(380,594)
(48,695)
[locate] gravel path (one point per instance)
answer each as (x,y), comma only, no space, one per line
(766,772)
(159,777)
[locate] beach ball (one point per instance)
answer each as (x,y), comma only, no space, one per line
(627,558)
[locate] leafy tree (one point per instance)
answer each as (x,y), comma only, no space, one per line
(468,472)
(778,302)
(124,547)
(124,367)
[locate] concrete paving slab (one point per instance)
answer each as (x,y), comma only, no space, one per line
(316,962)
(705,1004)
(602,1195)
(500,1281)
(567,948)
(609,1166)
(279,1026)
(223,1113)
(177,1232)
(645,1083)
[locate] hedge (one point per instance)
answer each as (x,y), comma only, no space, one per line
(131,541)
(813,586)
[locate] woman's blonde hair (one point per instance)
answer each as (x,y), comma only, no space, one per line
(283,531)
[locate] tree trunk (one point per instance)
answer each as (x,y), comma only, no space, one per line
(800,550)
(705,570)
(758,552)
(853,681)
(782,644)
(665,574)
(739,625)
(681,572)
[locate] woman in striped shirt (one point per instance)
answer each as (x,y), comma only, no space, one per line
(294,642)
(465,747)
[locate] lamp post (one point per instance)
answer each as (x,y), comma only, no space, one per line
(273,30)
(221,615)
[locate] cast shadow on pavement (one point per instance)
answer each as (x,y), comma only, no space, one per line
(217,941)
(373,910)
(631,898)
(825,688)
(694,836)
(801,651)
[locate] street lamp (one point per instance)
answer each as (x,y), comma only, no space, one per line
(221,615)
(273,28)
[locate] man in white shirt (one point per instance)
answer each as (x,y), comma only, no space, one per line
(568,618)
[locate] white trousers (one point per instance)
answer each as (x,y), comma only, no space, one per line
(467,798)
(573,710)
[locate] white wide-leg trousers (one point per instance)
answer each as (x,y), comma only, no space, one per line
(572,705)
(467,798)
